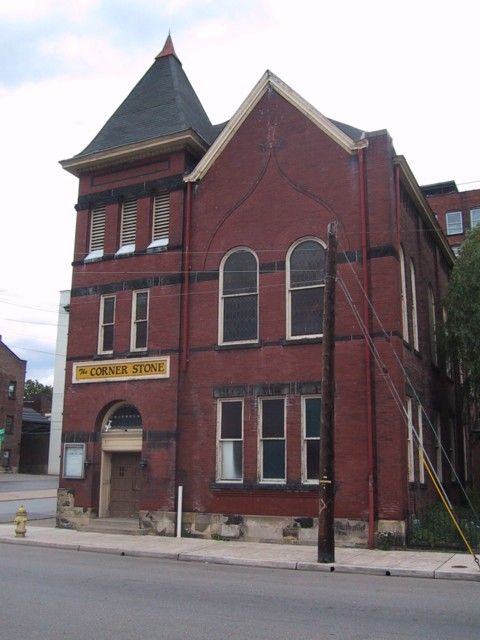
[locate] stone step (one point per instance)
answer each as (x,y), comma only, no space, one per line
(124,526)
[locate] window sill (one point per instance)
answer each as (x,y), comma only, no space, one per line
(238,345)
(292,341)
(158,245)
(125,250)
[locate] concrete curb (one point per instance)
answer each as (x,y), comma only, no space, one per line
(442,572)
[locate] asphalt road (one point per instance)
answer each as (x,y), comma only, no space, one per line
(63,595)
(37,509)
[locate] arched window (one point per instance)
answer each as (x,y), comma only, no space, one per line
(305,288)
(123,417)
(403,284)
(413,284)
(238,320)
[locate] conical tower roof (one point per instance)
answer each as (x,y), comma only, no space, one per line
(161,104)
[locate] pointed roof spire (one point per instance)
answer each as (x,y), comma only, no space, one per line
(168,49)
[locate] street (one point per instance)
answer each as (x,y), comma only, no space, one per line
(57,594)
(23,489)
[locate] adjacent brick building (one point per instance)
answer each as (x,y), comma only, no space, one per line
(457,211)
(195,347)
(12,381)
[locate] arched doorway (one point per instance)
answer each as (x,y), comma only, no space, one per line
(120,478)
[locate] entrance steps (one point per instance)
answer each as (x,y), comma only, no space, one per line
(124,526)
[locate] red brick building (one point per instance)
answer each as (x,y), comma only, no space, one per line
(457,211)
(12,381)
(195,346)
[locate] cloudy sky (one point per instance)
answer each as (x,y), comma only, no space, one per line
(65,65)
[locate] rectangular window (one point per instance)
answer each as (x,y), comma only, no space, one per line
(432,322)
(230,440)
(272,440)
(311,439)
(9,422)
(421,468)
(474,218)
(414,309)
(453,451)
(139,320)
(160,221)
(410,462)
(12,390)
(438,448)
(106,324)
(465,454)
(97,234)
(454,223)
(129,227)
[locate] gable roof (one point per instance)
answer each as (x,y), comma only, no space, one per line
(162,104)
(349,138)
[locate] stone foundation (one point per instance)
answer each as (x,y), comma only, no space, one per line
(68,515)
(277,529)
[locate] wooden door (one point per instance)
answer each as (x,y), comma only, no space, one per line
(124,485)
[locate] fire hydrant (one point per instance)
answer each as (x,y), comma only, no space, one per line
(21,522)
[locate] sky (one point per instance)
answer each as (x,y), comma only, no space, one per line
(65,65)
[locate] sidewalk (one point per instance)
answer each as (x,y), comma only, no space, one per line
(419,564)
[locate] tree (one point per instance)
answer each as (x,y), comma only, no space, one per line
(35,388)
(462,305)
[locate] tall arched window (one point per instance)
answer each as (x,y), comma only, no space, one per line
(305,288)
(238,320)
(414,305)
(432,324)
(403,284)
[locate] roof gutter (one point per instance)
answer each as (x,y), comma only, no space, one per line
(139,150)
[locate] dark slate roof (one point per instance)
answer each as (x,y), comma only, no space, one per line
(351,132)
(161,104)
(439,188)
(30,415)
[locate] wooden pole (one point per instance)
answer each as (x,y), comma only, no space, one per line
(326,500)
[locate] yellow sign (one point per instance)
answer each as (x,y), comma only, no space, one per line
(121,370)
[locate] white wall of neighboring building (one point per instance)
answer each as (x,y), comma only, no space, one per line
(59,385)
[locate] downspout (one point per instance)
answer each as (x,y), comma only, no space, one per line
(186,280)
(368,360)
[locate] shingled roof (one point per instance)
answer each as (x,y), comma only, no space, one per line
(161,104)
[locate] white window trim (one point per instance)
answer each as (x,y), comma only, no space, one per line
(414,308)
(410,458)
(403,284)
(222,298)
(218,473)
(102,325)
(447,230)
(127,247)
(134,322)
(160,210)
(475,212)
(263,480)
(96,243)
(289,289)
(438,448)
(305,480)
(421,453)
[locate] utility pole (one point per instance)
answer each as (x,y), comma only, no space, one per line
(326,500)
